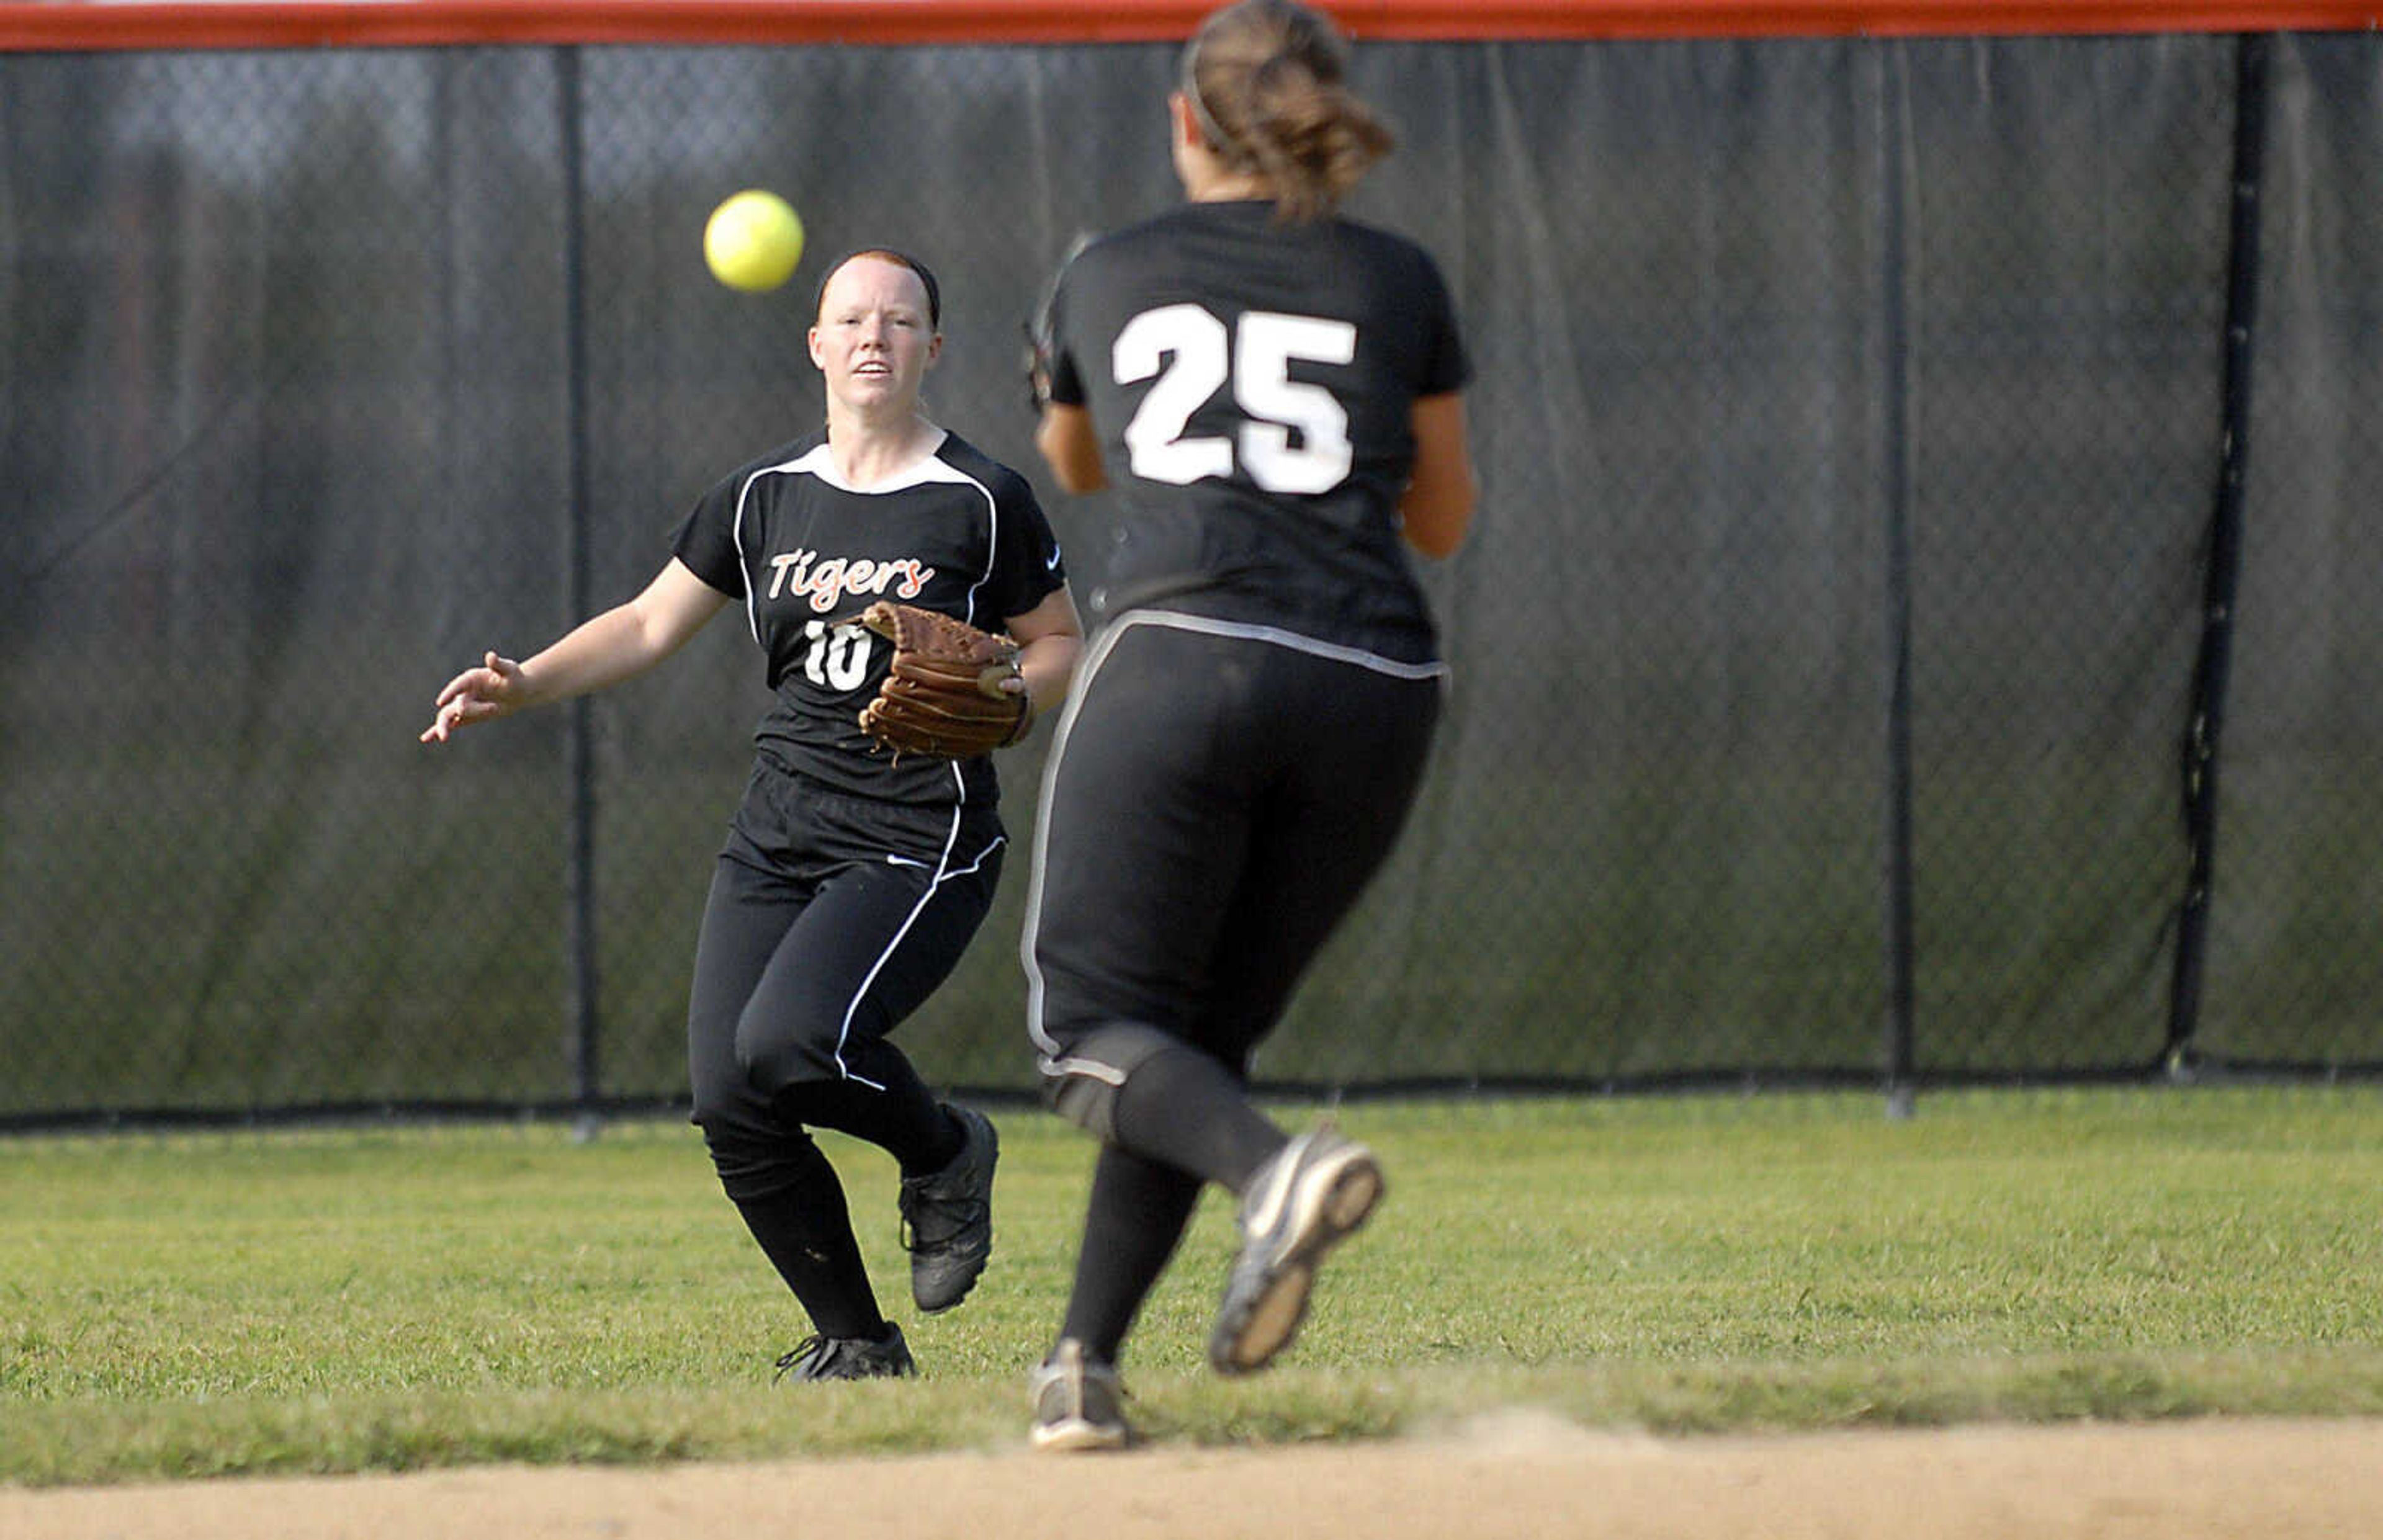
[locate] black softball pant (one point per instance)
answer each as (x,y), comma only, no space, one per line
(1216,798)
(831,919)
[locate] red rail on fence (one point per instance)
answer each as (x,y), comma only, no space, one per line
(78,27)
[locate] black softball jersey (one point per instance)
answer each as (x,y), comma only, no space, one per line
(958,533)
(1254,381)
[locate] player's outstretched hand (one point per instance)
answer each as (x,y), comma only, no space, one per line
(476,696)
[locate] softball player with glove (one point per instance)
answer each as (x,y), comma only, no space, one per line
(853,875)
(1273,392)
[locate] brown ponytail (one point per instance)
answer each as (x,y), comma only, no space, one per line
(1265,79)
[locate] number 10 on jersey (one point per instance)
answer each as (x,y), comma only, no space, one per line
(838,656)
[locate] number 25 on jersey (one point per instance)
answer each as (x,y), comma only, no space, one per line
(1191,353)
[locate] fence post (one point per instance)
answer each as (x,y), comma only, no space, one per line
(579,826)
(1894,497)
(2206,715)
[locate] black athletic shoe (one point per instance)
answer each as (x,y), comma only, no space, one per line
(849,1358)
(1300,1205)
(1078,1403)
(947,1218)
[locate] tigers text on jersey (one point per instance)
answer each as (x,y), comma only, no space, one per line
(958,533)
(1253,381)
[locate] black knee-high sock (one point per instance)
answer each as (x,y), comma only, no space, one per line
(805,1229)
(905,1120)
(1185,1108)
(1138,1212)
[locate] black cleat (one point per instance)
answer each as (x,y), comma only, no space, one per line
(849,1358)
(947,1218)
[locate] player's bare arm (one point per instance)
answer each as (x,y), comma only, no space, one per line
(621,643)
(1050,638)
(1071,449)
(1437,508)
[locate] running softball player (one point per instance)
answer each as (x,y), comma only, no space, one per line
(1273,390)
(851,879)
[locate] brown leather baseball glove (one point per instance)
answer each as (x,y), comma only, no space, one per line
(943,695)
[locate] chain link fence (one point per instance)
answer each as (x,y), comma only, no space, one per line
(1853,418)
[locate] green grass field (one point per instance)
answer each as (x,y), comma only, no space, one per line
(397,1297)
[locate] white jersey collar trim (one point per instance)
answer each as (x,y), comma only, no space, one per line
(928,467)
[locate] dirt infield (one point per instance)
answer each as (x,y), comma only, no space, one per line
(1517,1476)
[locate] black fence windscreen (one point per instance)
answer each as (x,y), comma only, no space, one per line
(1853,417)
